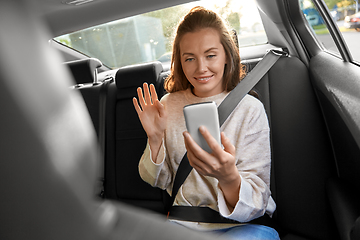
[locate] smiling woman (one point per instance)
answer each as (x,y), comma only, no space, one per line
(203,59)
(206,67)
(146,37)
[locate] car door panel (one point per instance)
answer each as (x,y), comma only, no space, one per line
(337,84)
(338,87)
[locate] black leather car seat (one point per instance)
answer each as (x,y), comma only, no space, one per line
(84,71)
(302,158)
(48,152)
(126,138)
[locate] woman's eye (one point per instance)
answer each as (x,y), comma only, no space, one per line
(211,56)
(189,59)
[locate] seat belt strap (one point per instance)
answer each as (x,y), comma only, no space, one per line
(252,78)
(198,214)
(102,131)
(225,109)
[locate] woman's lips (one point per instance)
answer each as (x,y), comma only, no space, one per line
(203,79)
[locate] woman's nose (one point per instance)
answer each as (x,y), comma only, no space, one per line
(202,67)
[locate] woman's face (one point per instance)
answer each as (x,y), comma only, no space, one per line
(203,61)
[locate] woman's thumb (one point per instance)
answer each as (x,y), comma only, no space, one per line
(160,108)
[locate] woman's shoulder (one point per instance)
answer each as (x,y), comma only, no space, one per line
(254,110)
(250,101)
(251,107)
(175,97)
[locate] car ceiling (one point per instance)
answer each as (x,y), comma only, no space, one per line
(63,17)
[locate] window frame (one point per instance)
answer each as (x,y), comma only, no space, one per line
(309,40)
(333,30)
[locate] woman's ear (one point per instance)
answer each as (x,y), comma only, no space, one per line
(226,59)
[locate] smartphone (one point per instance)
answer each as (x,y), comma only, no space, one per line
(202,114)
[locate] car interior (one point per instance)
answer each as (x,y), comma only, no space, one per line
(71,140)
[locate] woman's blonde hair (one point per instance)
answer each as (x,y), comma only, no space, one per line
(199,18)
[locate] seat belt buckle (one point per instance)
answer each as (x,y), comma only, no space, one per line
(282,52)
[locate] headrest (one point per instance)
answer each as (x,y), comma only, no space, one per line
(84,70)
(136,75)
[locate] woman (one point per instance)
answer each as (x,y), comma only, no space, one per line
(233,180)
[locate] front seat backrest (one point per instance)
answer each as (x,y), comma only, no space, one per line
(48,148)
(46,137)
(84,71)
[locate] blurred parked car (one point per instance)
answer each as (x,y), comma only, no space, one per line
(312,16)
(335,14)
(353,21)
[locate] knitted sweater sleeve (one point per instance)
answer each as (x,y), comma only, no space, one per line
(253,164)
(157,175)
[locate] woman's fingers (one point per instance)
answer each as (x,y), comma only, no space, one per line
(136,105)
(160,108)
(147,93)
(200,160)
(194,151)
(154,96)
(228,146)
(213,144)
(191,145)
(141,97)
(218,164)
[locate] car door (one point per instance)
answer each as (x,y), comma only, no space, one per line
(333,57)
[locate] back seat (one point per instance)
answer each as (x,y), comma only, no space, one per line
(87,83)
(126,139)
(302,159)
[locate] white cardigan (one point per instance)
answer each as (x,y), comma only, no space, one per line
(248,130)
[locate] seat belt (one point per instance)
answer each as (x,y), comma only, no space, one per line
(225,109)
(102,132)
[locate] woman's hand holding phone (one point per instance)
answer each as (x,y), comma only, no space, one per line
(203,142)
(220,164)
(152,115)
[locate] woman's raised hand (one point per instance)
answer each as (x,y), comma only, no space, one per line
(152,115)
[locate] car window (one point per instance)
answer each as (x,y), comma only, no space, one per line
(347,17)
(148,37)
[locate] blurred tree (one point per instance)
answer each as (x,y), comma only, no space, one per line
(170,18)
(339,3)
(331,3)
(345,3)
(234,20)
(64,41)
(230,14)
